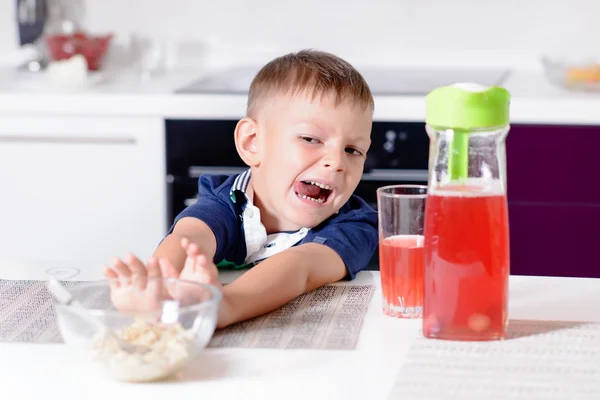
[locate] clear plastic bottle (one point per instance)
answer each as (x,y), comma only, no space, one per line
(466,232)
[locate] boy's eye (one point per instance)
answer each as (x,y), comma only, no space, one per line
(309,139)
(353,151)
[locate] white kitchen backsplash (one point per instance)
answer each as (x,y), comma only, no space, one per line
(364,31)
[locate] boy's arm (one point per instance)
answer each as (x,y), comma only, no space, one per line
(196,231)
(279,279)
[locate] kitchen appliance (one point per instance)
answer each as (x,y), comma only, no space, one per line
(398,154)
(31,17)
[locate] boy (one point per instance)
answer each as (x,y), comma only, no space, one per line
(292,215)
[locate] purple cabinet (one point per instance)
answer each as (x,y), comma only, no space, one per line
(554,200)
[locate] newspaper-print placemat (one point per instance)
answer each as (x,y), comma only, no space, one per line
(330,317)
(541,360)
(27,313)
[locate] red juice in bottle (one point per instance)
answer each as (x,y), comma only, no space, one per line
(466,264)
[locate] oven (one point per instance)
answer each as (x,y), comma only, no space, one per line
(399,154)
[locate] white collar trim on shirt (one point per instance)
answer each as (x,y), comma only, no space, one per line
(259,245)
(242,184)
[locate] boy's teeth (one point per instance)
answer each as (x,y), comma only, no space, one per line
(303,196)
(321,185)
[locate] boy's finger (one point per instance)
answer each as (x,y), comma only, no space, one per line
(192,255)
(138,272)
(190,261)
(123,271)
(200,263)
(193,249)
(211,265)
(137,267)
(167,269)
(154,284)
(153,269)
(185,242)
(113,278)
(121,268)
(109,273)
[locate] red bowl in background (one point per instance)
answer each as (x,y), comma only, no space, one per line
(91,47)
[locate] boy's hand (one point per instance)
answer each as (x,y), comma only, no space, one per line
(197,267)
(133,291)
(131,286)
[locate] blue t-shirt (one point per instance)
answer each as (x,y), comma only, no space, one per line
(351,233)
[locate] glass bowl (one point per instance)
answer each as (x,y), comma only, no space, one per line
(577,74)
(92,47)
(170,333)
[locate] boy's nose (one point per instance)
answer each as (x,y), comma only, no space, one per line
(335,160)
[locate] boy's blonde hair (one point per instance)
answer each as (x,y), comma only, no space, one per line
(309,70)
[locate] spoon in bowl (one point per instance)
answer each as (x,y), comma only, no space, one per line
(64,297)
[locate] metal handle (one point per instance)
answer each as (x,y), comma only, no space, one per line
(412,175)
(195,172)
(376,174)
(66,139)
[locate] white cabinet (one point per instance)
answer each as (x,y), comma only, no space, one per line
(78,190)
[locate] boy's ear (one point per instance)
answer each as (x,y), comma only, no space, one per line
(246,141)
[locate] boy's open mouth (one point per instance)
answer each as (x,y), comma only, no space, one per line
(314,191)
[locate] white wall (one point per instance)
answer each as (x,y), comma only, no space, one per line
(364,31)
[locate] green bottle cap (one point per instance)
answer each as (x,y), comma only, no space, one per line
(467,106)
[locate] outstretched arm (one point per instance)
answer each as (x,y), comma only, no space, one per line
(346,249)
(278,280)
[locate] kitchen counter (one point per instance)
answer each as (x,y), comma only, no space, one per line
(30,371)
(534,100)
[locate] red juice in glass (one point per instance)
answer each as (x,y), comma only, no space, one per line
(466,264)
(401,269)
(401,215)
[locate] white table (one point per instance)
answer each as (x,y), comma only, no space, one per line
(33,371)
